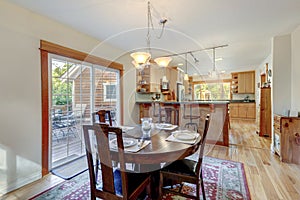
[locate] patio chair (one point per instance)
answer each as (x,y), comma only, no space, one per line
(115,183)
(185,170)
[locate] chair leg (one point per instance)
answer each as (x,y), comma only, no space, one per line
(161,180)
(202,186)
(97,167)
(148,191)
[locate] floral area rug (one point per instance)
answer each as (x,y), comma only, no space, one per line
(223,179)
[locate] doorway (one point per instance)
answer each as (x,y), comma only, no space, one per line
(77,89)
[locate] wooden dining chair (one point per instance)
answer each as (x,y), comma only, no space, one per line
(185,170)
(112,183)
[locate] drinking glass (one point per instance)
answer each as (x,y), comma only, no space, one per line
(146,126)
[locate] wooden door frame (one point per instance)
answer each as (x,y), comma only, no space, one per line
(46,48)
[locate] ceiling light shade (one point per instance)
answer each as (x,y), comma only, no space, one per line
(140,57)
(163,61)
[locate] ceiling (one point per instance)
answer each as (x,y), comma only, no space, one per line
(246,26)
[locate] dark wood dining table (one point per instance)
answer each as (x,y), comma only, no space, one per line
(159,150)
(151,158)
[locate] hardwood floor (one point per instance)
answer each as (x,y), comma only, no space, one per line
(267,177)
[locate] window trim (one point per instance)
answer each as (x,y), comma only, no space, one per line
(46,48)
(105,90)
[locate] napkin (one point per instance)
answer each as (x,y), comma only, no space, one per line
(137,147)
(134,148)
(171,138)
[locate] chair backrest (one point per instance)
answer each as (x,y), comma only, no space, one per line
(102,115)
(101,134)
(202,143)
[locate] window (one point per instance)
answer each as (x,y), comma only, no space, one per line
(212,91)
(109,91)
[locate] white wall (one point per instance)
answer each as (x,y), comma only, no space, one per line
(295,72)
(282,74)
(20,87)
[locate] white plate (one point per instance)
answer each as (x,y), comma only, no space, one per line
(127,142)
(184,135)
(164,125)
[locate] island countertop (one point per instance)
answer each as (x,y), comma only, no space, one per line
(185,102)
(185,113)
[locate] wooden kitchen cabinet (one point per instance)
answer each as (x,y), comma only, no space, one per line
(242,110)
(234,110)
(251,111)
(265,112)
(243,82)
(286,138)
(234,83)
(148,80)
(246,81)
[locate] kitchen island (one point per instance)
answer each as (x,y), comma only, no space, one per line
(191,115)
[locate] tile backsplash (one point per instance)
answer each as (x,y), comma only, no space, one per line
(243,96)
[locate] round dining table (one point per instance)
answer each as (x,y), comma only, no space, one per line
(159,150)
(157,153)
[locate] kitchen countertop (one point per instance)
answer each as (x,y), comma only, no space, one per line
(242,101)
(186,102)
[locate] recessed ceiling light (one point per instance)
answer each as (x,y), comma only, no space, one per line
(218,59)
(180,64)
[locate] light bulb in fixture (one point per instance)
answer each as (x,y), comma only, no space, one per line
(164,79)
(138,66)
(186,77)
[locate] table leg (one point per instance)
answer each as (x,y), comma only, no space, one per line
(152,169)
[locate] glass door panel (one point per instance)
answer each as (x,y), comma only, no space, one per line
(77,90)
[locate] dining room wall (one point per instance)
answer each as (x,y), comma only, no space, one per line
(295,72)
(20,87)
(281,84)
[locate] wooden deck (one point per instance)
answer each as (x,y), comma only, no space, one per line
(67,144)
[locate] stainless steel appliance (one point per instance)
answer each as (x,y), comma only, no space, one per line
(180,92)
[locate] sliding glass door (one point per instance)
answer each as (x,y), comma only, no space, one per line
(77,90)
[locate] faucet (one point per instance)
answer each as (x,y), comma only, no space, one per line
(246,98)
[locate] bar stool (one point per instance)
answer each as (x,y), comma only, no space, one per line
(169,110)
(191,117)
(158,112)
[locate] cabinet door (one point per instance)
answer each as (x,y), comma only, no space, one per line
(234,110)
(251,114)
(243,110)
(249,82)
(265,112)
(246,82)
(241,83)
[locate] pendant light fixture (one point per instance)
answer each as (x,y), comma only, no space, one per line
(214,73)
(186,76)
(142,59)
